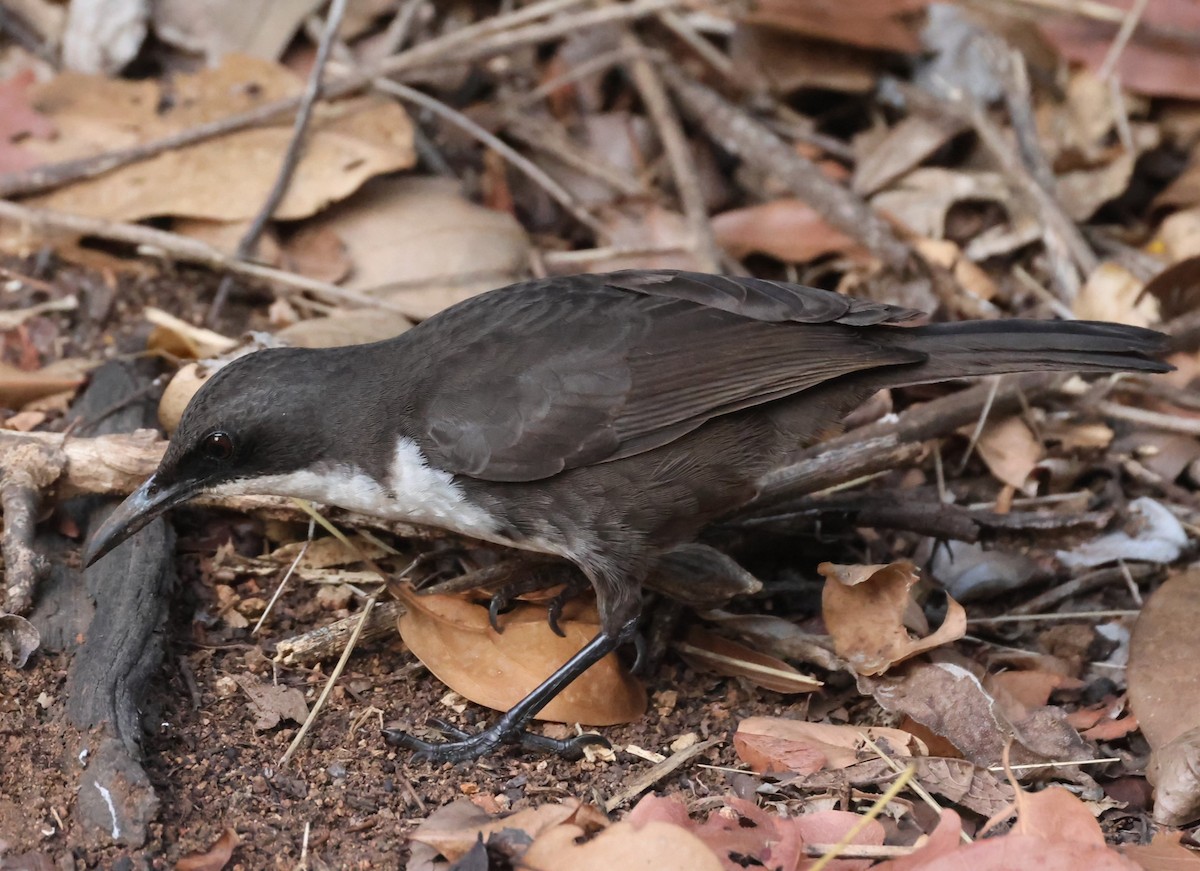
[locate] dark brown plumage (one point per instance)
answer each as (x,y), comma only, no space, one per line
(602,418)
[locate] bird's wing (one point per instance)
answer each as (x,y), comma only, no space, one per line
(557,374)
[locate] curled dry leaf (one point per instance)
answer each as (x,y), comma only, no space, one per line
(780,744)
(272,703)
(215,857)
(18,639)
(787,229)
(1011,451)
(454,640)
(710,652)
(1164,694)
(864,608)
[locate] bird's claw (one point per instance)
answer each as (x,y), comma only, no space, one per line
(465,747)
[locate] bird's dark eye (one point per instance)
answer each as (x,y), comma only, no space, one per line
(217,446)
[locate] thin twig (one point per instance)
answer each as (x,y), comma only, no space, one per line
(286,577)
(534,172)
(679,154)
(875,810)
(248,244)
(981,423)
(1051,618)
(1128,25)
(333,676)
(914,783)
(1144,417)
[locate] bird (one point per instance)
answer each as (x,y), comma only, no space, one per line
(602,419)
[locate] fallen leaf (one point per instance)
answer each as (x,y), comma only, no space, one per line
(220,178)
(781,744)
(354,327)
(1031,688)
(1176,288)
(786,229)
(418,244)
(216,28)
(454,640)
(1163,853)
(215,857)
(1083,191)
(18,639)
(1159,58)
(181,339)
(921,199)
(889,25)
(179,392)
(651,226)
(1164,694)
(905,146)
(710,652)
(1151,534)
(1011,451)
(318,252)
(19,119)
(272,703)
(1113,293)
(946,254)
(453,830)
(19,387)
(949,699)
(655,845)
(772,59)
(944,840)
(864,608)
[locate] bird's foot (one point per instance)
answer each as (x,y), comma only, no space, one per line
(503,601)
(464,746)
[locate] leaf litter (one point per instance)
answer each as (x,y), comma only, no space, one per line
(1050,683)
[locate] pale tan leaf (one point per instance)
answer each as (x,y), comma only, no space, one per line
(19,387)
(655,845)
(1113,293)
(181,339)
(454,640)
(354,327)
(711,652)
(1163,853)
(864,608)
(1010,450)
(787,229)
(781,744)
(454,830)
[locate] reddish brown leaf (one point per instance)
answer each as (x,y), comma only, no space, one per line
(787,229)
(780,744)
(215,857)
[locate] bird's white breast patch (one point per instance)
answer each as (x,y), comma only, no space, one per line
(416,492)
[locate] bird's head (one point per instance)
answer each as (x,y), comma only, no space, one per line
(250,422)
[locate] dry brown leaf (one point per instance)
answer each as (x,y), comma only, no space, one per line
(656,845)
(1163,853)
(181,339)
(711,652)
(226,178)
(770,58)
(1031,688)
(1164,694)
(179,392)
(453,830)
(646,226)
(944,253)
(787,229)
(215,857)
(921,199)
(1010,450)
(889,25)
(1083,191)
(216,28)
(417,243)
(1113,293)
(19,387)
(272,703)
(780,744)
(943,841)
(318,252)
(949,699)
(1177,288)
(864,608)
(1159,59)
(454,640)
(903,148)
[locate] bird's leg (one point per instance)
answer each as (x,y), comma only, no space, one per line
(510,728)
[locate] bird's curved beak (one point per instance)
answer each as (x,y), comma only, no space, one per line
(139,508)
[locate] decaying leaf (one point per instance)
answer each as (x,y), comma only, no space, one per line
(778,637)
(711,652)
(780,744)
(652,845)
(272,703)
(19,387)
(453,830)
(787,229)
(355,327)
(948,699)
(454,640)
(226,178)
(1164,694)
(419,244)
(181,339)
(1163,853)
(18,639)
(1011,451)
(215,857)
(864,608)
(1113,293)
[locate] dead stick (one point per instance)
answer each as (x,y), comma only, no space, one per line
(248,244)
